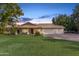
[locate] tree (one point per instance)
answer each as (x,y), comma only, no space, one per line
(65,21)
(75,16)
(9,12)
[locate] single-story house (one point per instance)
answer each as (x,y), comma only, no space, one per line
(44,28)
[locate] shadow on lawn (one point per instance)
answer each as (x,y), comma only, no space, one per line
(55,40)
(73,47)
(67,44)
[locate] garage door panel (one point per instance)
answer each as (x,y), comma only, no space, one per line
(52,31)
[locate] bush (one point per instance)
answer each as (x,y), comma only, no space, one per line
(37,33)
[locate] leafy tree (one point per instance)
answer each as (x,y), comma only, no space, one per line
(9,12)
(65,21)
(75,16)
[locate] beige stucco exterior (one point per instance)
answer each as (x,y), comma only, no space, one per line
(44,31)
(27,30)
(38,30)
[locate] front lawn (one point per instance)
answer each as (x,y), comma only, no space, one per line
(25,45)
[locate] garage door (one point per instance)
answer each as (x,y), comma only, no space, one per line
(52,31)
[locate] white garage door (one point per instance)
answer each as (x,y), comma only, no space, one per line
(52,31)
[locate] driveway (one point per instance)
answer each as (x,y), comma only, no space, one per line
(66,36)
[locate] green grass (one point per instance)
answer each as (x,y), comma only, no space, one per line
(28,45)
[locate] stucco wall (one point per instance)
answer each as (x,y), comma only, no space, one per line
(37,30)
(25,31)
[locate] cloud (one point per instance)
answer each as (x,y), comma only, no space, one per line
(42,19)
(25,19)
(47,16)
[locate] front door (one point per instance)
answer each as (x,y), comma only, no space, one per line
(31,31)
(18,31)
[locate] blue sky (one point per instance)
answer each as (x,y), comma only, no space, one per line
(36,10)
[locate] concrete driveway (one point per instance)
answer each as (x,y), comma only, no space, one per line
(66,36)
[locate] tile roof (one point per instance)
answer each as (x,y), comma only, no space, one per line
(43,25)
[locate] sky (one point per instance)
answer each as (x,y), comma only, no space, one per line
(35,10)
(42,10)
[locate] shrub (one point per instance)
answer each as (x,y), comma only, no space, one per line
(37,33)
